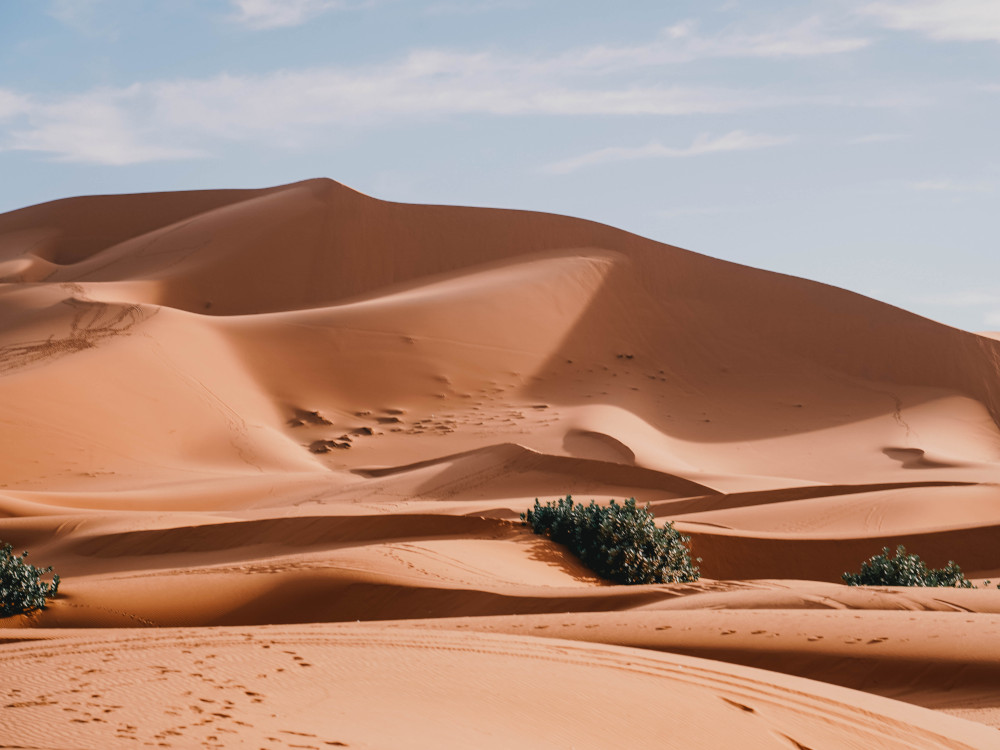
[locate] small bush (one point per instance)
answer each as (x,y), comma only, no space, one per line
(905,570)
(618,542)
(21,587)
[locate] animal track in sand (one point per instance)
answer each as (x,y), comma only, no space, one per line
(92,323)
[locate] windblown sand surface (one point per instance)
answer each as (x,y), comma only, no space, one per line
(276,443)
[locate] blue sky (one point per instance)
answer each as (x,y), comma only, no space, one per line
(845,141)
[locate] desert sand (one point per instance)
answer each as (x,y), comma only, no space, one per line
(276,444)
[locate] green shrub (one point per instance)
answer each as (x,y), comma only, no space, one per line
(618,542)
(21,587)
(905,570)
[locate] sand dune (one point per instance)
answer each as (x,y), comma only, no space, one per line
(255,430)
(298,687)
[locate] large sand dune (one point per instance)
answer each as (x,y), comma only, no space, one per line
(286,411)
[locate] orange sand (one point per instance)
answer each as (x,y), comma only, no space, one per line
(259,430)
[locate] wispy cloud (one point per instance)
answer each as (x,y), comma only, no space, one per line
(79,14)
(682,43)
(163,120)
(947,185)
(703,144)
(94,128)
(425,84)
(274,14)
(950,20)
(678,43)
(12,104)
(180,119)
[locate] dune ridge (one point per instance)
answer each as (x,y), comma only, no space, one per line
(304,418)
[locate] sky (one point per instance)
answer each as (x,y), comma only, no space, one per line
(850,142)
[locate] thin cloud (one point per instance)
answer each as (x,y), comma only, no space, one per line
(97,128)
(681,43)
(428,85)
(12,104)
(946,20)
(79,14)
(275,14)
(808,38)
(181,119)
(737,140)
(173,120)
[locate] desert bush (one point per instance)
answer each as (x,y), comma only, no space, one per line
(619,542)
(21,586)
(905,570)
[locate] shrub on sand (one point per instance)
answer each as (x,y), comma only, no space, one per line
(22,589)
(905,570)
(619,542)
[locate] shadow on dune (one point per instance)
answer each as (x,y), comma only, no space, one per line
(676,508)
(289,533)
(740,555)
(561,559)
(759,353)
